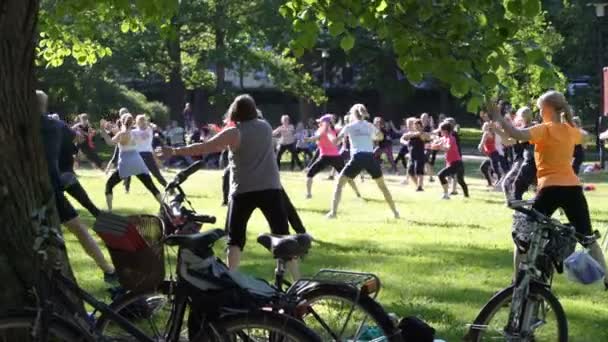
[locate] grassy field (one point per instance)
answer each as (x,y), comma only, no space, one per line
(442,261)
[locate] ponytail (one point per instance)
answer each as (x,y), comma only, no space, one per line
(567,116)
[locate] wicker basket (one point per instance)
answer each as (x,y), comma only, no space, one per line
(144,269)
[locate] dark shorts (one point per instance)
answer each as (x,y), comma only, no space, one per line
(64,208)
(569,198)
(362,161)
(240,208)
(416,167)
(337,162)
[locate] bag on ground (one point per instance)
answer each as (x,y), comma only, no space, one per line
(582,268)
(413,329)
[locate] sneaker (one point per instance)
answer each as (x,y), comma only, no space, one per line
(454,193)
(110,278)
(396,214)
(432,180)
(331,215)
(404,182)
(308,196)
(331,178)
(419,189)
(445,197)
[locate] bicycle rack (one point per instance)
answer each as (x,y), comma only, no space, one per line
(367,283)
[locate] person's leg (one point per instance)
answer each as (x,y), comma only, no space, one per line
(504,165)
(460,178)
(316,167)
(294,157)
(342,180)
(127,184)
(91,155)
(389,155)
(576,209)
(79,194)
(484,168)
(282,149)
(524,179)
(314,158)
(110,184)
(292,214)
(497,164)
(240,208)
(88,244)
(225,186)
(443,179)
(149,184)
(375,171)
(150,162)
(337,164)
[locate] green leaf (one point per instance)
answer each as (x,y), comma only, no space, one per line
(531,8)
(125,26)
(347,42)
(514,6)
(474,103)
(336,28)
(534,56)
(489,80)
(381,6)
(482,19)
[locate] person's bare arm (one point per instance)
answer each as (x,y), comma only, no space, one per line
(227,138)
(484,136)
(509,129)
(408,136)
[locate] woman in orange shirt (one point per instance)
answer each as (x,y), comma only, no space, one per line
(558,185)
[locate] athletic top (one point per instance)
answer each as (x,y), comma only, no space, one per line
(554,147)
(253,165)
(287,134)
(416,145)
(326,146)
(53,132)
(451,155)
(386,140)
(143,139)
(489,145)
(360,135)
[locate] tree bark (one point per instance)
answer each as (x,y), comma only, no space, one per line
(177,90)
(24,183)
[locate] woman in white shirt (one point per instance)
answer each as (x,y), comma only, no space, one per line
(287,142)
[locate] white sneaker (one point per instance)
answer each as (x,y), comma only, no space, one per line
(308,196)
(331,215)
(445,197)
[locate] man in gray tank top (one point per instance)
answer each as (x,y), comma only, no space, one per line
(255,182)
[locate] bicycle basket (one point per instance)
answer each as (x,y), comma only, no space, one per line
(521,230)
(143,269)
(561,245)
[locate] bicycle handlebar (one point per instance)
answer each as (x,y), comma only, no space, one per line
(183,175)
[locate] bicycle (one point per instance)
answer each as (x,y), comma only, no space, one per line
(532,312)
(309,300)
(56,318)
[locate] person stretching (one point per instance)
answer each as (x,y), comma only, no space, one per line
(453,160)
(287,142)
(361,135)
(558,185)
(487,146)
(329,155)
(130,162)
(415,139)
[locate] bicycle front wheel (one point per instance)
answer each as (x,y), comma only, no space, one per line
(341,313)
(259,326)
(547,318)
(20,327)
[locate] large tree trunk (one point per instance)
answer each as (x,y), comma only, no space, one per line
(177,91)
(24,183)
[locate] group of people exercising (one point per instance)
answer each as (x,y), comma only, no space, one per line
(253,171)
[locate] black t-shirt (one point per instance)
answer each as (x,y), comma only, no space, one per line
(53,133)
(387,140)
(68,150)
(416,146)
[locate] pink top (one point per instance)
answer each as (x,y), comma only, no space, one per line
(326,147)
(451,155)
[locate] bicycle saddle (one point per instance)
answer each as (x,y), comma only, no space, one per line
(286,246)
(196,241)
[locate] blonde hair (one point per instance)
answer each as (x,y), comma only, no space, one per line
(42,99)
(359,111)
(558,102)
(122,111)
(141,117)
(126,120)
(525,113)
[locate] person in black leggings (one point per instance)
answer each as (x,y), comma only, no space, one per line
(86,145)
(487,145)
(453,159)
(579,148)
(415,139)
(287,142)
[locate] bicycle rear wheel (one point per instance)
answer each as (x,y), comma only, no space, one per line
(548,319)
(19,327)
(259,326)
(341,313)
(149,312)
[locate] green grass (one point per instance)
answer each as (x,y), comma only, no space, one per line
(442,261)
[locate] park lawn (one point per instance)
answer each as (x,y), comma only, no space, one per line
(441,261)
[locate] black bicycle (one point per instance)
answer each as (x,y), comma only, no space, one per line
(53,317)
(336,305)
(528,310)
